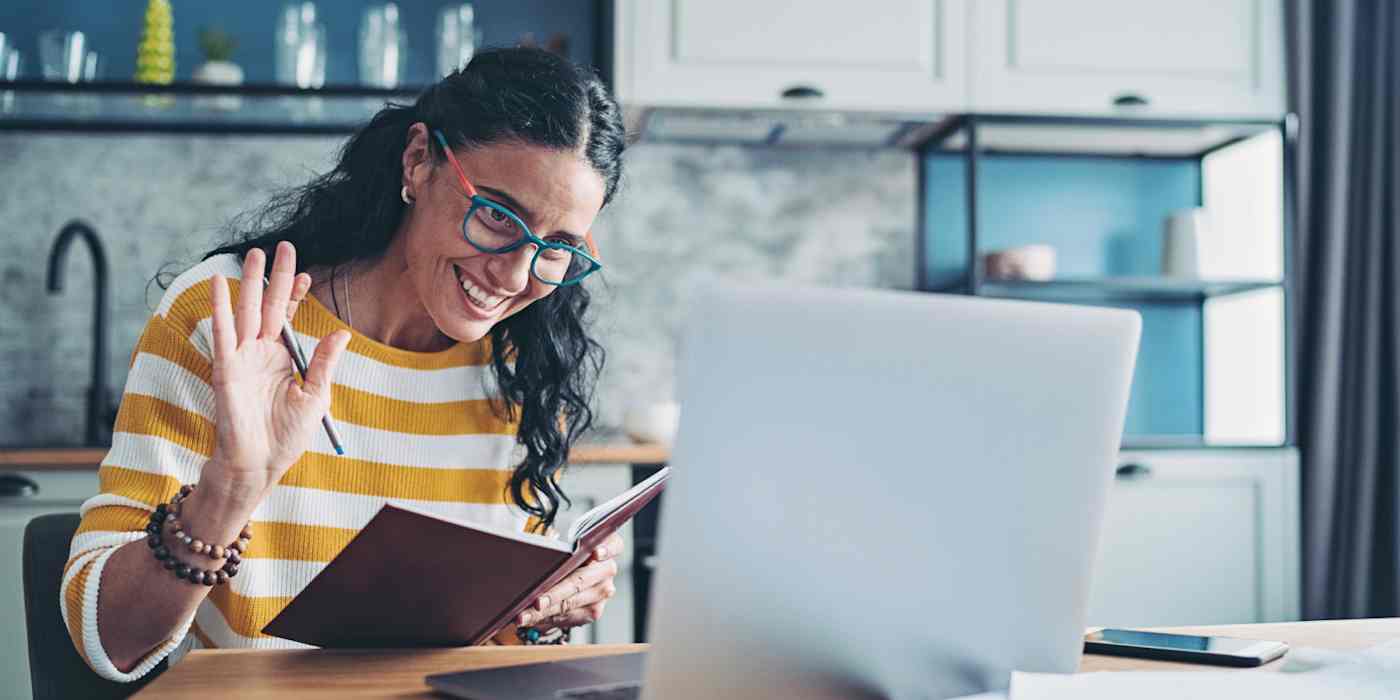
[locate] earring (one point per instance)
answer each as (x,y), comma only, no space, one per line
(403,194)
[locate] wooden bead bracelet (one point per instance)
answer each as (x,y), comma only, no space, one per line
(165,522)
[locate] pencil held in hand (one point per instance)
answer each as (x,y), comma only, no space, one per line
(289,339)
(299,360)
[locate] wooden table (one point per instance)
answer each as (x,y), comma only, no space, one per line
(399,674)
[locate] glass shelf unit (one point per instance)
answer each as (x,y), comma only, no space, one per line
(190,107)
(1215,365)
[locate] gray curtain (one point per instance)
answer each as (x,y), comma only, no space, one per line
(1345,87)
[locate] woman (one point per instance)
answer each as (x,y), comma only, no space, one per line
(436,272)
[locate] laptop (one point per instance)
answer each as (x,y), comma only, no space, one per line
(874,494)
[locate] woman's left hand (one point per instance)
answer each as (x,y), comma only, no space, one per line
(581,597)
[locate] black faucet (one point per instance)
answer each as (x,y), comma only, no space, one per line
(99,406)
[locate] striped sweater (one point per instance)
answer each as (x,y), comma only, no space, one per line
(418,428)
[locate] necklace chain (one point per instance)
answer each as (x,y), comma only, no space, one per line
(349,308)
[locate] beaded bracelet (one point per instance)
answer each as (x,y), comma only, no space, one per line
(165,521)
(532,636)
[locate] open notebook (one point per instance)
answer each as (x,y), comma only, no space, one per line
(412,579)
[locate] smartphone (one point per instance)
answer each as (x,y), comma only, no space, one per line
(1223,651)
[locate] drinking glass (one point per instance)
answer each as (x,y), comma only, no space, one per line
(7,49)
(9,70)
(63,55)
(457,36)
(296,29)
(310,61)
(92,67)
(383,46)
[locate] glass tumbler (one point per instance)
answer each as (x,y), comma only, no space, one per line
(310,64)
(458,37)
(383,47)
(9,70)
(63,56)
(295,24)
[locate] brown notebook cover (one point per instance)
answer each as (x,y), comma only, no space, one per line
(410,579)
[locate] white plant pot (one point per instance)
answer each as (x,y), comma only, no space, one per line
(220,73)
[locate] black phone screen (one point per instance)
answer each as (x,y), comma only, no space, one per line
(1178,642)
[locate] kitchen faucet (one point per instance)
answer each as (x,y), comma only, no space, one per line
(99,407)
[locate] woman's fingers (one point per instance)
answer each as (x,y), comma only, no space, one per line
(300,286)
(225,336)
(585,577)
(585,613)
(250,294)
(323,361)
(577,618)
(566,595)
(609,549)
(279,290)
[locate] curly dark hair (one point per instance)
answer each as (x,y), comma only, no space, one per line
(545,363)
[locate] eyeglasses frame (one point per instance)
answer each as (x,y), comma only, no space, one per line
(527,236)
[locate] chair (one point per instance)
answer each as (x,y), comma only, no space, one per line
(55,668)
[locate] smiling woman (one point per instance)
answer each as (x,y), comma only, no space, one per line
(436,271)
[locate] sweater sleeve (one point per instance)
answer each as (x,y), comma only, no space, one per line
(163,435)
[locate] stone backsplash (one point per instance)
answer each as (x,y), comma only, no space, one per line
(816,216)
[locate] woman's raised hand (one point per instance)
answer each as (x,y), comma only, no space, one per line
(263,417)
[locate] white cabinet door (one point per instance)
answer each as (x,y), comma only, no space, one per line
(1200,537)
(1191,57)
(588,486)
(893,55)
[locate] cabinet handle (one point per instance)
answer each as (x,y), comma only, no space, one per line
(17,486)
(803,92)
(1130,99)
(1133,471)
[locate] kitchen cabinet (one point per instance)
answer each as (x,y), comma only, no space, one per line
(1199,537)
(1191,57)
(882,54)
(1213,57)
(58,492)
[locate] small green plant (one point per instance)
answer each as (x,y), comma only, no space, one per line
(216,44)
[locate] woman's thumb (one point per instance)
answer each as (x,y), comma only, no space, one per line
(323,361)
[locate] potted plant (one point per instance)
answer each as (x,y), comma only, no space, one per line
(217,69)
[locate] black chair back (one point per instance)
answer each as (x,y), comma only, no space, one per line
(56,671)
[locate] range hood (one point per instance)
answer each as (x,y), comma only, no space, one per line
(780,127)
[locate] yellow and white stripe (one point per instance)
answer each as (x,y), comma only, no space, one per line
(419,430)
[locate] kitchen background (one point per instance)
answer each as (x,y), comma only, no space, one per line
(891,148)
(160,201)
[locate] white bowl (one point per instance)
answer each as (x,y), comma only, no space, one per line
(654,422)
(1027,262)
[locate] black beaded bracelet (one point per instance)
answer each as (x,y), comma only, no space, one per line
(155,531)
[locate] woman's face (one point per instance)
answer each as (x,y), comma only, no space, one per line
(465,291)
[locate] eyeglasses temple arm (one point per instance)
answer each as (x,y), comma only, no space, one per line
(592,247)
(466,184)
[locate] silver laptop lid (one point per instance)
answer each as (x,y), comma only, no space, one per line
(882,493)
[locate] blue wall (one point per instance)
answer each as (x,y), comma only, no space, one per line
(114,28)
(1104,216)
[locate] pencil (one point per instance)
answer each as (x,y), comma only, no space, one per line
(299,361)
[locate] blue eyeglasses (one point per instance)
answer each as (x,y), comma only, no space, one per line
(491,227)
